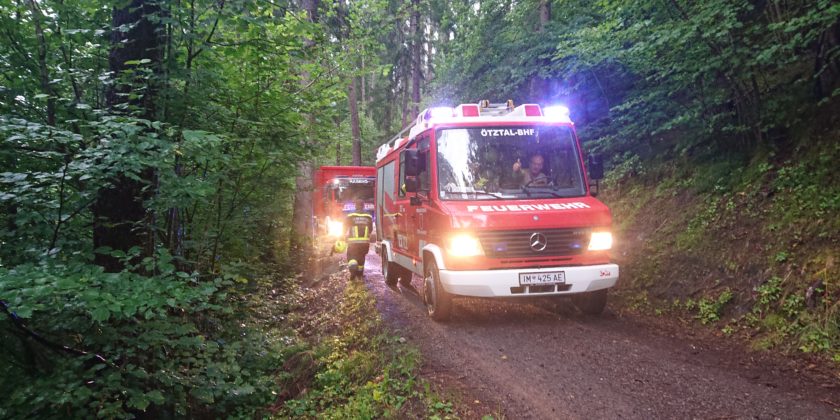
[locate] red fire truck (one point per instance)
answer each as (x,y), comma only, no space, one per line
(492,200)
(336,190)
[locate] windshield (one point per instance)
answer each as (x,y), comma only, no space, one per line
(353,189)
(494,163)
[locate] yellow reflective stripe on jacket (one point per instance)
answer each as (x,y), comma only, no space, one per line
(356,236)
(355,230)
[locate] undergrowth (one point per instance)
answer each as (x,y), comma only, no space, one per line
(748,247)
(88,344)
(357,370)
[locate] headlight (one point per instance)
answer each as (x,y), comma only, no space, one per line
(600,241)
(335,228)
(464,245)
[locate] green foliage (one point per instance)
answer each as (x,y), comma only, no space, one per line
(226,117)
(170,342)
(647,78)
(364,373)
(709,310)
(808,189)
(782,313)
(768,294)
(629,166)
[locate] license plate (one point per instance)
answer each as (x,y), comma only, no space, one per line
(546,277)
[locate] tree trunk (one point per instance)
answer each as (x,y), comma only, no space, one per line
(545,14)
(364,86)
(338,152)
(539,85)
(416,50)
(120,220)
(354,122)
(430,48)
(42,60)
(390,102)
(352,97)
(300,243)
(405,118)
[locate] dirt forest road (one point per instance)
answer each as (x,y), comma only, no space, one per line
(518,360)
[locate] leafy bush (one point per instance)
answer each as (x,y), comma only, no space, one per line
(709,310)
(169,345)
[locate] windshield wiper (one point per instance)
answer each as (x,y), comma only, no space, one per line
(553,192)
(494,195)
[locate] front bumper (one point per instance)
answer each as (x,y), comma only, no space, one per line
(505,283)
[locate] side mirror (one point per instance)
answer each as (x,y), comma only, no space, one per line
(412,162)
(410,184)
(596,167)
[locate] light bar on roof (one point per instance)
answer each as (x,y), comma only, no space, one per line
(557,111)
(526,110)
(438,112)
(467,110)
(533,111)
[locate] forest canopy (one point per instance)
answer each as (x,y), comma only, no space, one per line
(156,155)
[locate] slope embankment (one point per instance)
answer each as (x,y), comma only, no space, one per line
(749,247)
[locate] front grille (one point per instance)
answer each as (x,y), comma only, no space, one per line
(517,243)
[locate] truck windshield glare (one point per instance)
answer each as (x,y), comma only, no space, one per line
(348,190)
(515,162)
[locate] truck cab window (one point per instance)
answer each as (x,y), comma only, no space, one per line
(424,178)
(510,163)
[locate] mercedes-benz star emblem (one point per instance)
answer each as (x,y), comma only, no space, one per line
(538,241)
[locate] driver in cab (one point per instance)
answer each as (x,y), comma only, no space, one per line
(534,175)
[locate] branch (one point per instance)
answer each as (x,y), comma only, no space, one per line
(47,343)
(60,204)
(212,31)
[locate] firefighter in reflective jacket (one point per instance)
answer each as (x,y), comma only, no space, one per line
(359,226)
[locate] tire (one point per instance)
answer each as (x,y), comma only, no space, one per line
(591,303)
(438,301)
(405,276)
(390,270)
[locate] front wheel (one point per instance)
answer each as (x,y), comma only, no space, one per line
(591,303)
(438,301)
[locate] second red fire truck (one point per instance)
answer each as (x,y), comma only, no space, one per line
(336,189)
(493,201)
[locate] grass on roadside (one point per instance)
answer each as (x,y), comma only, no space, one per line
(357,369)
